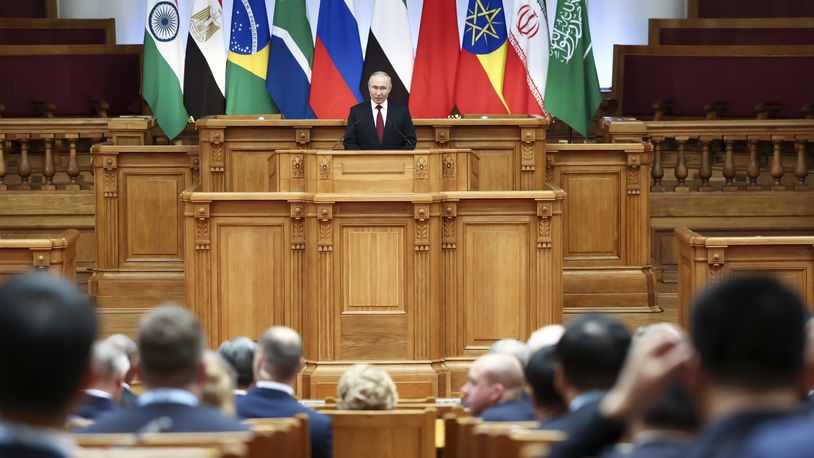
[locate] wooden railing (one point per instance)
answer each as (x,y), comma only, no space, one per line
(729,156)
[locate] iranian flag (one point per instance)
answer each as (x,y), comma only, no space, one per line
(390,48)
(527,59)
(163,68)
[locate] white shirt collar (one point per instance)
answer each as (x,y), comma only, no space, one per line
(168,396)
(98,393)
(268,384)
(373,106)
(39,438)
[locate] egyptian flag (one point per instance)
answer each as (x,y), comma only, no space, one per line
(481,66)
(432,92)
(205,64)
(527,59)
(337,61)
(390,48)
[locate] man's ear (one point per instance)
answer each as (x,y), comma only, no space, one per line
(497,391)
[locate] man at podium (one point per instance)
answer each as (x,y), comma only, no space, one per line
(377,123)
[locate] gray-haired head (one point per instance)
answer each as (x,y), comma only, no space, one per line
(108,362)
(239,353)
(545,337)
(512,347)
(279,355)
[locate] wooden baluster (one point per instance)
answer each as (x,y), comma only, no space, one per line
(48,169)
(658,166)
(3,186)
(681,167)
(24,168)
(777,164)
(73,163)
(705,171)
(753,167)
(801,171)
(729,167)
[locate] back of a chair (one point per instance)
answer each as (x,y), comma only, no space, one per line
(232,444)
(153,452)
(295,430)
(507,440)
(384,433)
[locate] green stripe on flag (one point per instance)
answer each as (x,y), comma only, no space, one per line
(246,93)
(162,90)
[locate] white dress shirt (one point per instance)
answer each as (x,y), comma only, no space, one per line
(375,112)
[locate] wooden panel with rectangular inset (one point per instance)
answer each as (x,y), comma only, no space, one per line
(374,337)
(593,215)
(361,174)
(498,168)
(152,197)
(373,270)
(248,171)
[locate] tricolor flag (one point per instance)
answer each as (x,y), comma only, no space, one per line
(481,66)
(390,48)
(527,59)
(248,60)
(163,68)
(292,53)
(205,65)
(572,90)
(432,92)
(337,60)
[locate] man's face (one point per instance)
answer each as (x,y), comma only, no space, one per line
(379,87)
(479,392)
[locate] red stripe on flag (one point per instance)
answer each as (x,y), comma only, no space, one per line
(432,94)
(474,93)
(330,96)
(516,86)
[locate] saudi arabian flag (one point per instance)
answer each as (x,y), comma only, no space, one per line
(572,88)
(163,68)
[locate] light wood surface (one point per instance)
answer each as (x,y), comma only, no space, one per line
(384,433)
(56,255)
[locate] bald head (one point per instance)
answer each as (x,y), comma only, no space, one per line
(279,354)
(502,368)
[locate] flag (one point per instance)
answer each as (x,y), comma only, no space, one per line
(572,88)
(432,92)
(290,59)
(390,48)
(205,64)
(481,65)
(163,68)
(337,60)
(527,59)
(248,60)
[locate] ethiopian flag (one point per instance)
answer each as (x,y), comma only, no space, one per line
(248,60)
(163,68)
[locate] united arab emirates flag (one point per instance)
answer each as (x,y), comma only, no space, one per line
(390,48)
(205,65)
(163,68)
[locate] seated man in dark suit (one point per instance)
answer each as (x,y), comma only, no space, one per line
(109,366)
(378,123)
(540,370)
(495,388)
(171,344)
(749,335)
(277,363)
(46,332)
(128,347)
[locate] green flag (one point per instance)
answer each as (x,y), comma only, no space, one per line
(572,88)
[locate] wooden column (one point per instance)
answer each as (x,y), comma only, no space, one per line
(325,286)
(753,167)
(729,171)
(450,282)
(48,169)
(24,167)
(681,167)
(107,248)
(658,165)
(422,279)
(801,170)
(198,230)
(777,163)
(705,171)
(296,304)
(73,163)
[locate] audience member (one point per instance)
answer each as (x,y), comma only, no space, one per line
(219,387)
(545,337)
(108,366)
(512,347)
(366,387)
(46,332)
(239,353)
(749,335)
(171,344)
(495,388)
(540,372)
(276,365)
(128,347)
(590,354)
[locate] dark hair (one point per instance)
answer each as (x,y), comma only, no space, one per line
(239,353)
(592,351)
(540,375)
(675,410)
(171,344)
(750,332)
(46,332)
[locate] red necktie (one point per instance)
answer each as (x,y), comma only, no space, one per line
(379,123)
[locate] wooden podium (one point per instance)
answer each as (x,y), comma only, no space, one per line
(391,257)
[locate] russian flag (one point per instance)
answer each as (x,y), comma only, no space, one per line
(337,61)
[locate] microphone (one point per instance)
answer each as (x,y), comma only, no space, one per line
(402,135)
(345,134)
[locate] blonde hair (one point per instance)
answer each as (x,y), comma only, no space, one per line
(366,387)
(219,387)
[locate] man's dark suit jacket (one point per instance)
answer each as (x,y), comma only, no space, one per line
(185,419)
(23,451)
(361,130)
(93,407)
(790,438)
(269,403)
(129,398)
(517,410)
(656,448)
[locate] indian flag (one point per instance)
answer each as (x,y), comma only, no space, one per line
(163,68)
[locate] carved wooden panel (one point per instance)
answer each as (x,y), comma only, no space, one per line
(361,174)
(250,278)
(373,268)
(152,197)
(247,170)
(495,285)
(593,215)
(499,167)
